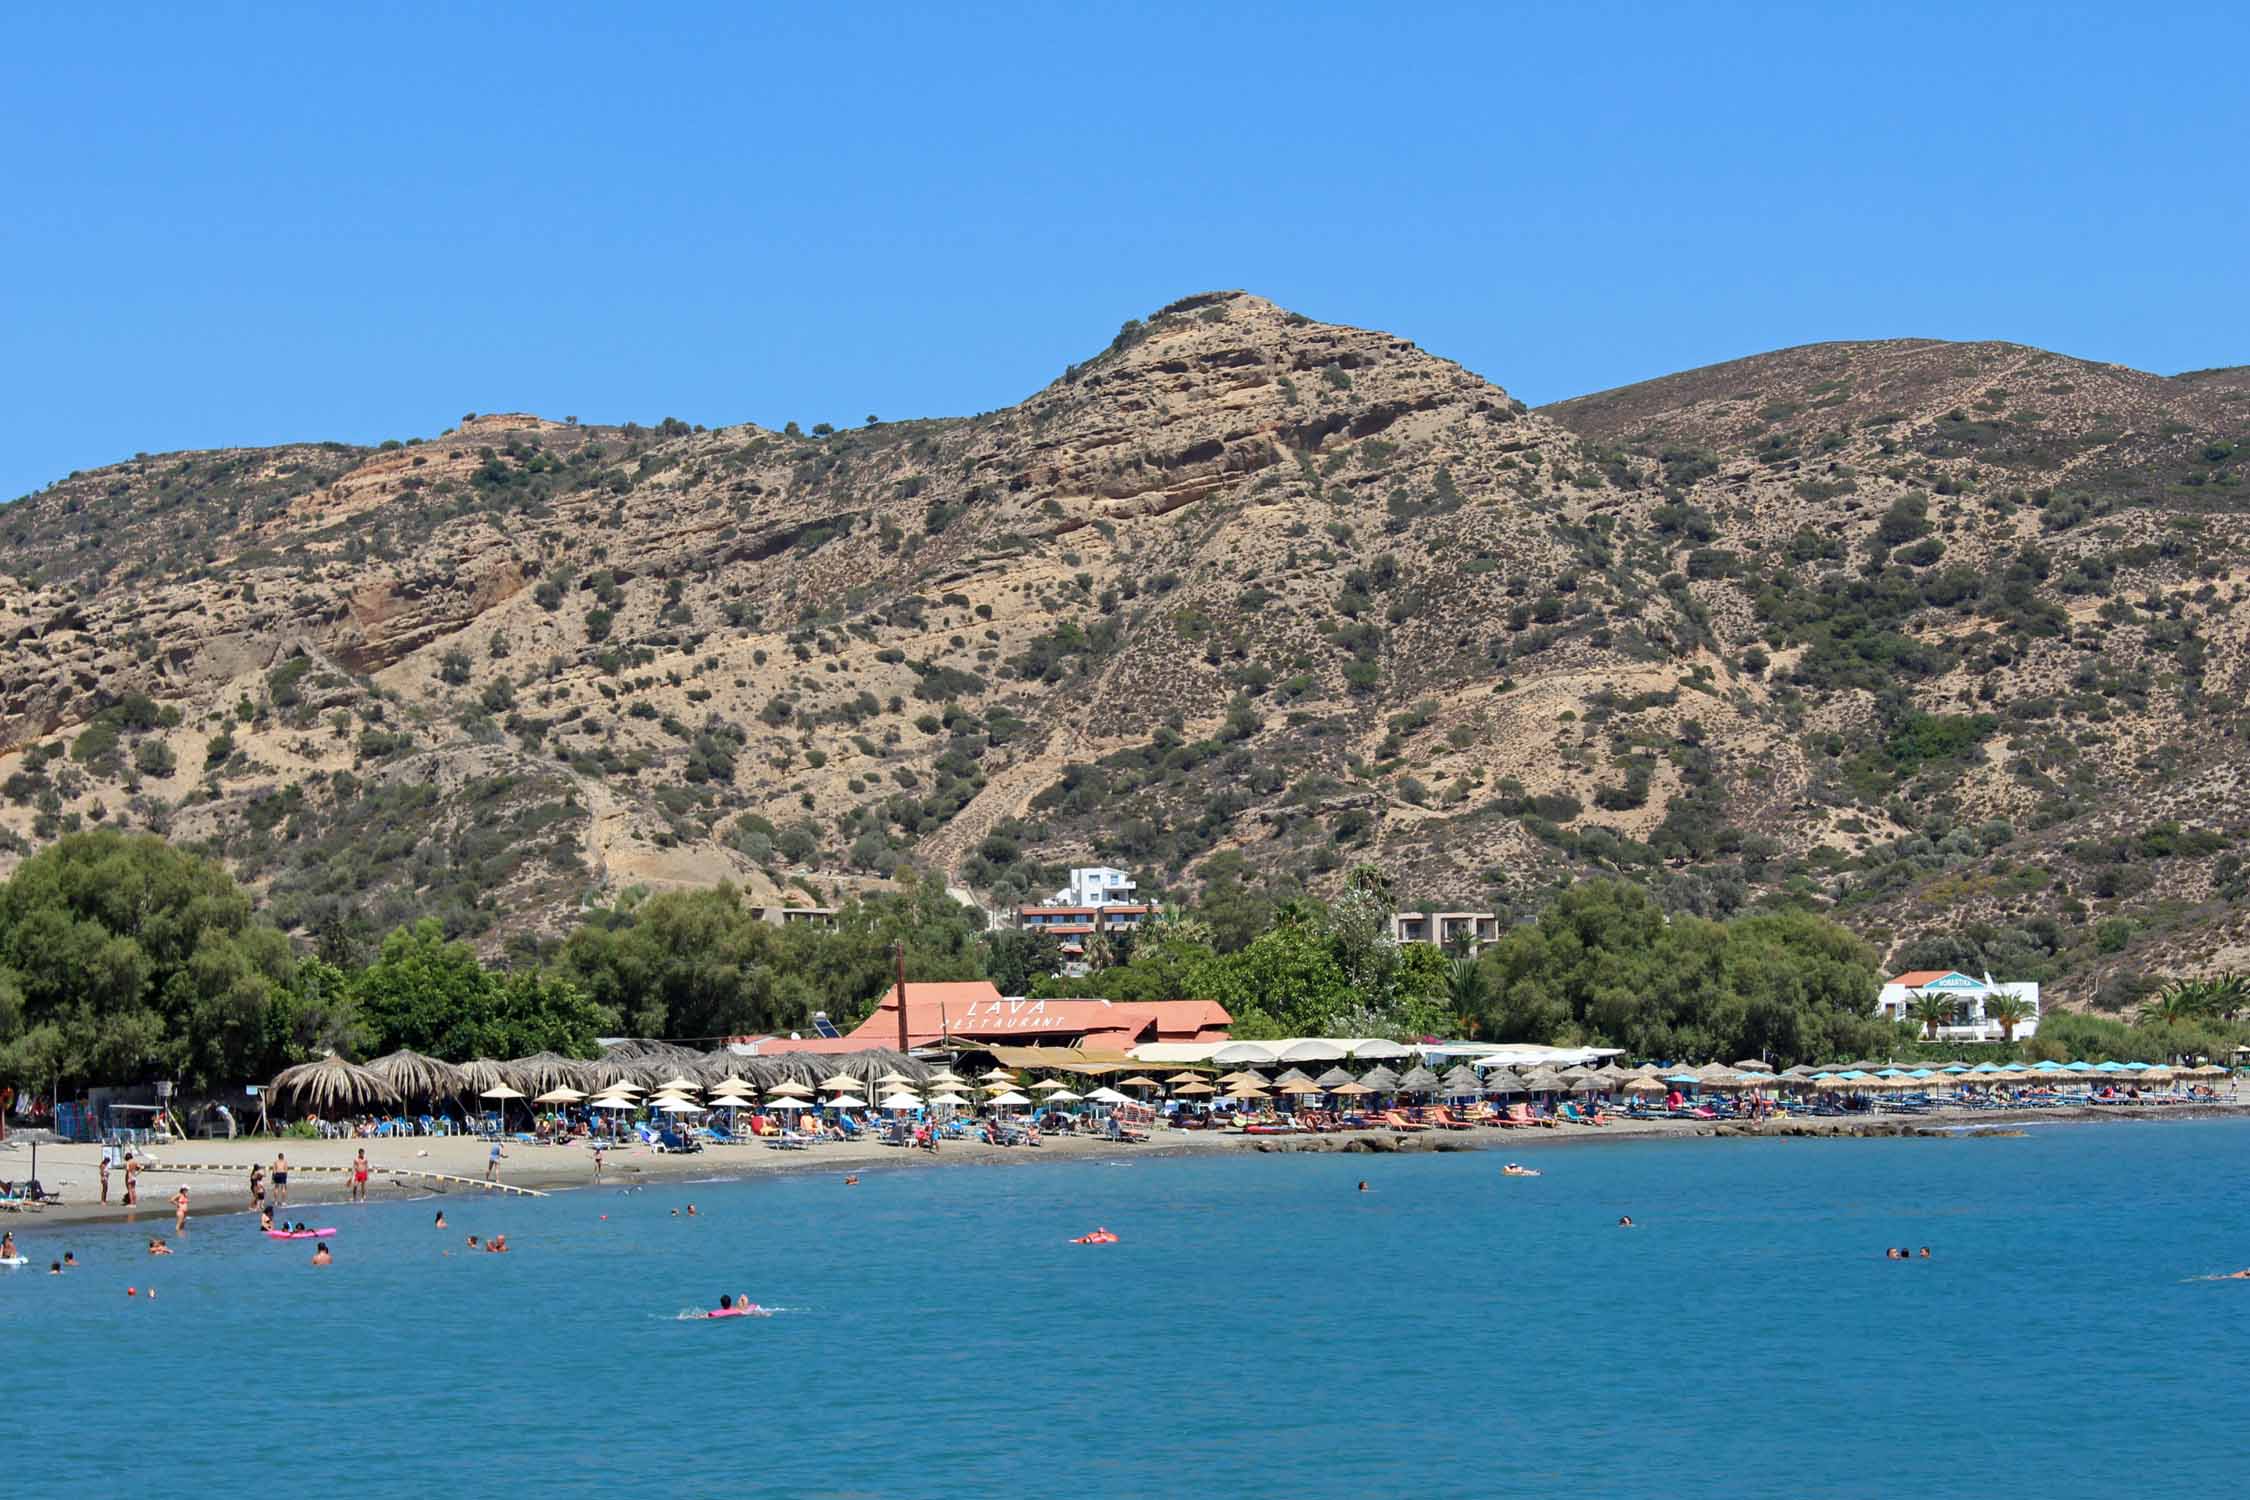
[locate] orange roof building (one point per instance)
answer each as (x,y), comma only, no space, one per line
(974,1011)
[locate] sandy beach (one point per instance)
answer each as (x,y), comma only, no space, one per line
(216,1173)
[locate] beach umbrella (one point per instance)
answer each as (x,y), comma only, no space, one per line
(790,1088)
(1199,1088)
(544,1070)
(1643,1086)
(679,1106)
(1591,1084)
(787,1102)
(1545,1081)
(1380,1079)
(1350,1090)
(559,1096)
(1293,1075)
(329,1080)
(948,1097)
(1300,1088)
(907,1101)
(846,1101)
(1009,1100)
(732,1085)
(1333,1078)
(1753,1065)
(611,1103)
(999,1075)
(1503,1081)
(414,1076)
(1185,1078)
(502,1093)
(1050,1083)
(1244,1076)
(839,1083)
(1139,1082)
(1064,1096)
(729,1101)
(945,1078)
(1110,1096)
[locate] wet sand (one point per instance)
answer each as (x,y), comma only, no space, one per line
(216,1173)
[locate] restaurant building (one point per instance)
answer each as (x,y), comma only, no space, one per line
(974,1011)
(1968,997)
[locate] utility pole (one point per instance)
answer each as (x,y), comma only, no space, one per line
(898,970)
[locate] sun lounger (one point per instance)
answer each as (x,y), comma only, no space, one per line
(1397,1121)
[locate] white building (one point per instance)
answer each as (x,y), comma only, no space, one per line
(1464,931)
(1968,996)
(1095,885)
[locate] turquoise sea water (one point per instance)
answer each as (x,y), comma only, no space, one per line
(1262,1328)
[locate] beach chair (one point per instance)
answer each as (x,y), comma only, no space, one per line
(1443,1118)
(1397,1121)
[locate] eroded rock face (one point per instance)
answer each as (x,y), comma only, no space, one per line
(1242,585)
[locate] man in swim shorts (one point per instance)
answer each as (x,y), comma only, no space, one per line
(359,1176)
(280,1180)
(321,1257)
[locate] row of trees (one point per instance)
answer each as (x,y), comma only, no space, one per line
(123,958)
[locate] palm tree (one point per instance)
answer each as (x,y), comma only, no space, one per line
(2183,1000)
(1467,989)
(1932,1010)
(2009,1011)
(1098,953)
(2230,996)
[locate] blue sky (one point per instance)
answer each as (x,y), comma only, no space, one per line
(253,225)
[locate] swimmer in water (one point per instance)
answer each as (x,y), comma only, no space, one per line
(1925,1255)
(497,1245)
(70,1260)
(1363,1184)
(321,1257)
(691,1210)
(7,1245)
(54,1268)
(473,1245)
(2236,1276)
(158,1247)
(265,1219)
(440,1224)
(852,1181)
(1625,1221)
(726,1303)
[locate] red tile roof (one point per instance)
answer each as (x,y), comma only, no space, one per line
(1916,978)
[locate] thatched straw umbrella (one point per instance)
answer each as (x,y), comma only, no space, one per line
(542,1071)
(483,1073)
(329,1082)
(414,1076)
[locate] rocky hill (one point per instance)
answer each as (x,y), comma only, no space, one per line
(1938,634)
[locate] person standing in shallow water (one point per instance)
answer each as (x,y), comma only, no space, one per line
(280,1180)
(359,1176)
(132,1179)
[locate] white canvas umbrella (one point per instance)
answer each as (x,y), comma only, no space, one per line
(677,1082)
(948,1097)
(503,1093)
(901,1101)
(679,1107)
(839,1083)
(787,1104)
(1008,1099)
(730,1101)
(791,1087)
(998,1075)
(894,1076)
(559,1096)
(1064,1096)
(1050,1083)
(847,1101)
(1107,1096)
(613,1104)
